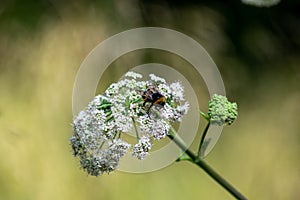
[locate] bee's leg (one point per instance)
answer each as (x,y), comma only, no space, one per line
(149,108)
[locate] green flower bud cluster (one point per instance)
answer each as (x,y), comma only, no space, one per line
(221,111)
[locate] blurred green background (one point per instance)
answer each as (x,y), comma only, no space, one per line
(43,43)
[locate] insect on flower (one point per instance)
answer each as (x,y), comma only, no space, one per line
(99,128)
(153,96)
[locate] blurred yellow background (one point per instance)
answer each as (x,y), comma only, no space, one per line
(42,45)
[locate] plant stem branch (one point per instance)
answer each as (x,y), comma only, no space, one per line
(201,151)
(135,129)
(202,164)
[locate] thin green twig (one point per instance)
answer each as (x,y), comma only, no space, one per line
(202,164)
(202,140)
(135,128)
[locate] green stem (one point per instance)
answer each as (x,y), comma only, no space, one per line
(135,128)
(200,151)
(202,164)
(106,105)
(101,145)
(115,135)
(137,100)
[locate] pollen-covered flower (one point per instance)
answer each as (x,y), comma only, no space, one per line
(221,111)
(130,105)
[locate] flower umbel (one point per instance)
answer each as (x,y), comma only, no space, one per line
(141,149)
(97,139)
(221,111)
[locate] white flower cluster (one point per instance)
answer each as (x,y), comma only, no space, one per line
(97,138)
(141,149)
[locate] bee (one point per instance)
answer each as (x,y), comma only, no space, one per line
(153,96)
